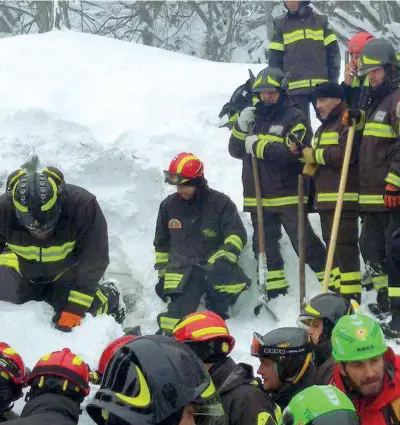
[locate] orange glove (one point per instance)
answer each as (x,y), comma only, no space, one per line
(392,196)
(67,321)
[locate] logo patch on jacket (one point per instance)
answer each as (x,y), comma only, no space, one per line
(276,129)
(380,116)
(174,223)
(209,233)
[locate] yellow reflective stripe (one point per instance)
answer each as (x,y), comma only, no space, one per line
(189,320)
(332,197)
(277,413)
(270,138)
(184,161)
(380,282)
(230,289)
(5,375)
(349,276)
(393,179)
(46,255)
(274,202)
(50,203)
(317,35)
(80,298)
(263,418)
(319,156)
(379,130)
(277,284)
(394,292)
(306,83)
(277,46)
(238,134)
(212,330)
(292,37)
(235,241)
(17,205)
(172,280)
(162,257)
(103,301)
(275,274)
(328,40)
(168,323)
(369,61)
(9,260)
(234,117)
(161,273)
(329,138)
(297,128)
(223,253)
(371,199)
(260,148)
(351,289)
(320,275)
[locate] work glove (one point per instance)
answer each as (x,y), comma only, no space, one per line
(249,144)
(67,321)
(308,156)
(350,115)
(392,196)
(246,118)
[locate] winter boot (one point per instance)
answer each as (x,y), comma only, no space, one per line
(392,329)
(381,309)
(116,307)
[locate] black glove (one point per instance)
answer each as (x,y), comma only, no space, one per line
(350,115)
(274,293)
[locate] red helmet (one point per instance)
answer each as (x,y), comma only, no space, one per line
(63,364)
(184,167)
(358,41)
(110,350)
(11,364)
(204,326)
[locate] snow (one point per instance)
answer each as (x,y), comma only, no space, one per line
(111,115)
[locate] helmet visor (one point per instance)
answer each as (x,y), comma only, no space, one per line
(173,178)
(342,417)
(261,349)
(363,70)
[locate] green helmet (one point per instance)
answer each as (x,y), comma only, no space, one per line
(356,338)
(271,79)
(320,405)
(376,54)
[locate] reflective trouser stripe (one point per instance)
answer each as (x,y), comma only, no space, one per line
(371,199)
(168,323)
(162,257)
(172,280)
(380,282)
(235,241)
(394,292)
(80,298)
(103,301)
(223,253)
(275,279)
(230,289)
(274,202)
(350,288)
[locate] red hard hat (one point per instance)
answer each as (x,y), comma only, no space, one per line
(110,350)
(203,326)
(358,41)
(63,364)
(11,364)
(184,167)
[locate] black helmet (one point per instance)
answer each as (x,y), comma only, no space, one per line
(376,54)
(289,348)
(151,379)
(271,79)
(330,308)
(36,197)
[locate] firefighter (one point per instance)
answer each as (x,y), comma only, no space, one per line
(379,169)
(57,239)
(242,396)
(198,240)
(304,45)
(327,156)
(366,369)
(58,383)
(319,317)
(286,362)
(356,87)
(166,384)
(275,121)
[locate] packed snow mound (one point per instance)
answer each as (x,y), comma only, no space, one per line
(111,115)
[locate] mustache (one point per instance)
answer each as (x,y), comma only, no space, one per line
(368,381)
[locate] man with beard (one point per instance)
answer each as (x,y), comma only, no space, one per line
(57,239)
(379,169)
(366,369)
(319,317)
(327,155)
(275,121)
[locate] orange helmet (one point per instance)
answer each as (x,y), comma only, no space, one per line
(63,364)
(358,41)
(207,334)
(11,364)
(183,168)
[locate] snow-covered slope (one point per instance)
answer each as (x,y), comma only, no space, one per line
(111,115)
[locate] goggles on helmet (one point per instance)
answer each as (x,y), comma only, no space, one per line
(260,349)
(173,178)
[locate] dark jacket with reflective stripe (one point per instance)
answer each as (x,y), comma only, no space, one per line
(49,409)
(242,396)
(328,150)
(78,248)
(304,45)
(278,168)
(379,158)
(191,232)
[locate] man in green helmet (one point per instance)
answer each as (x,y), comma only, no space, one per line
(366,369)
(320,405)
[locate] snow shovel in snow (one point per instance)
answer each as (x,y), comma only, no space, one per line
(262,258)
